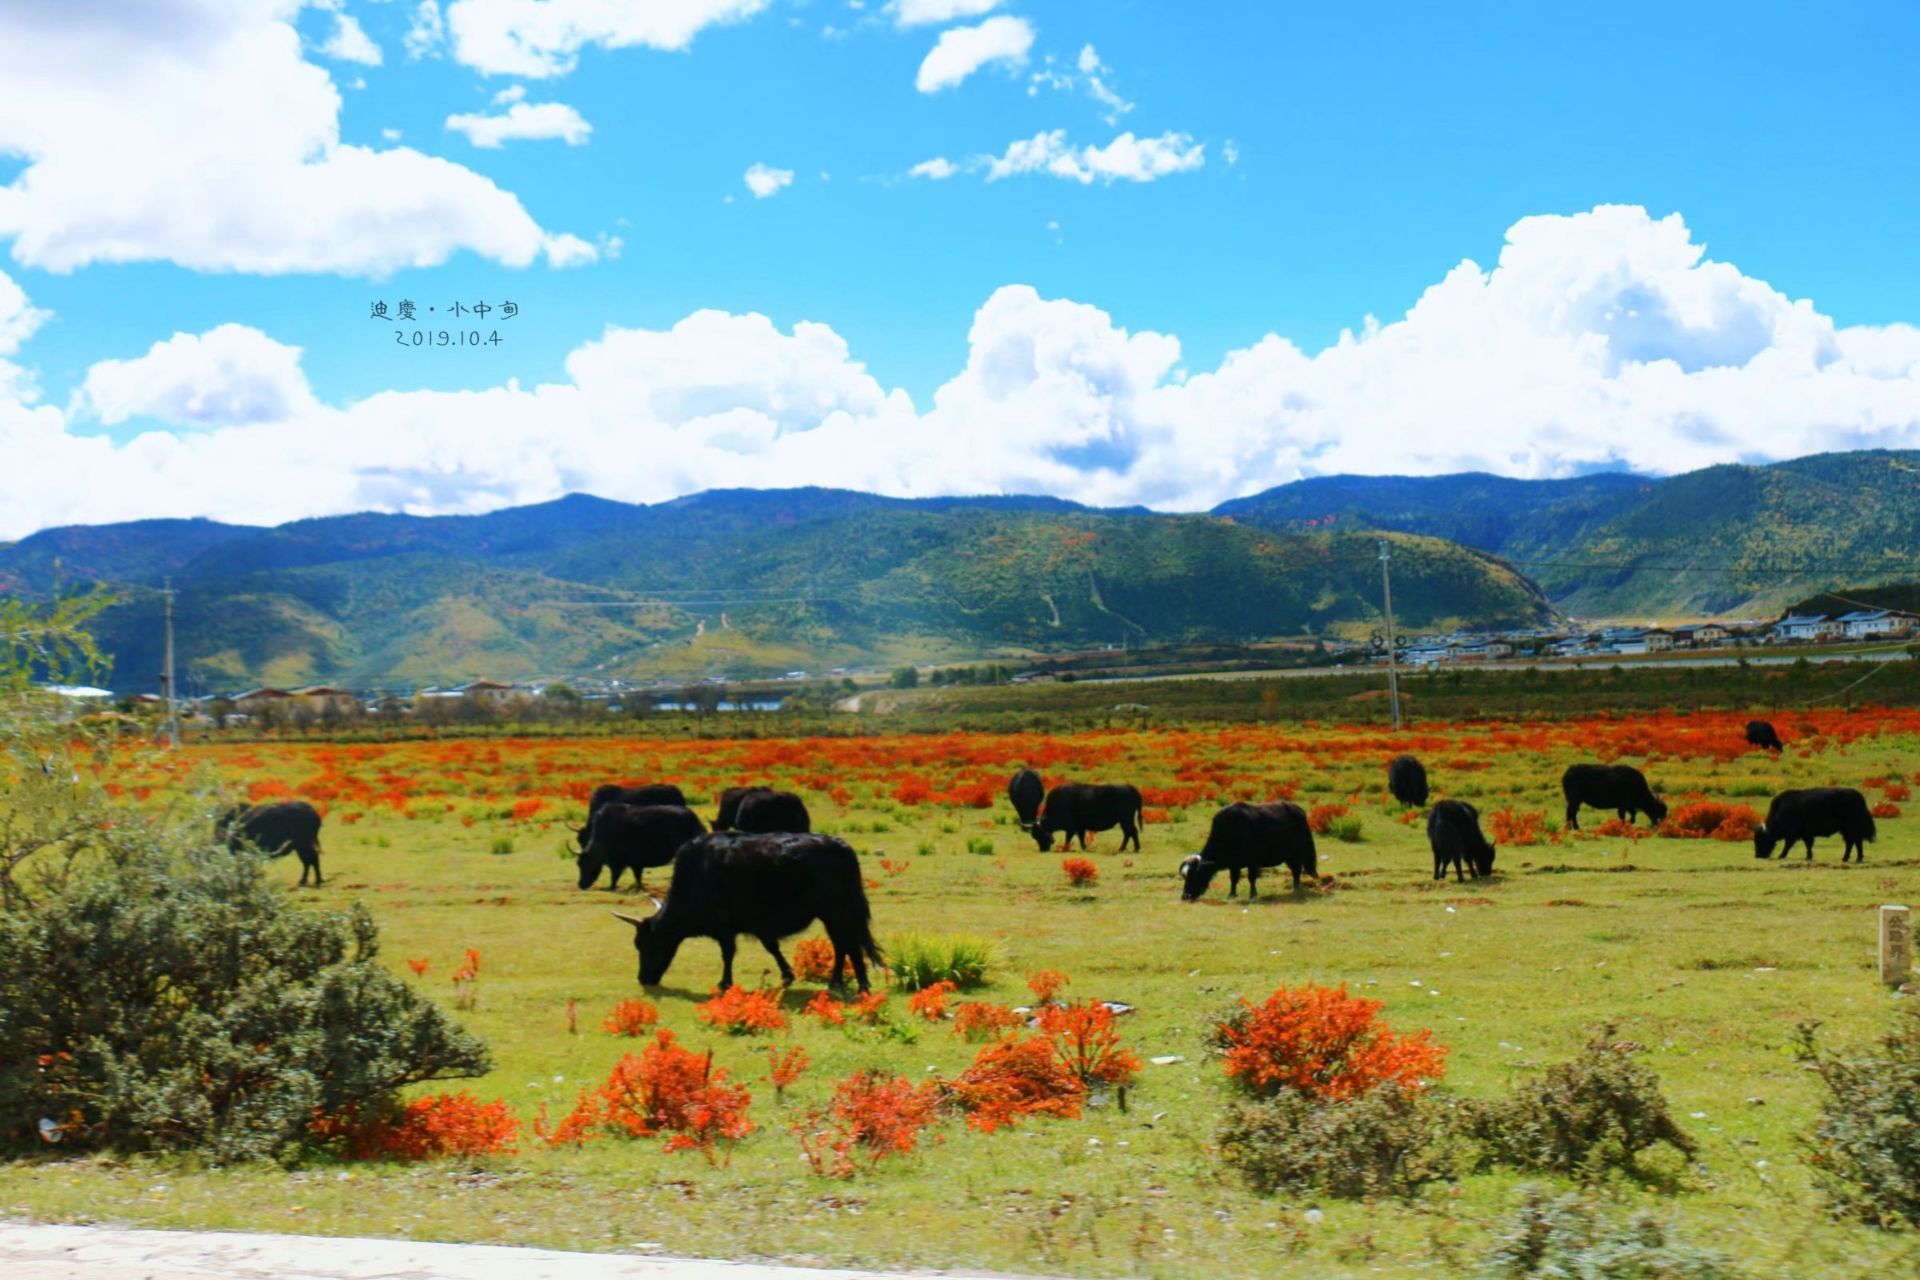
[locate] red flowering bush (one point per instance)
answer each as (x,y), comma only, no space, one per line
(872,1116)
(1321,817)
(813,960)
(1080,871)
(1509,826)
(1896,791)
(1621,829)
(1085,1042)
(740,1012)
(1885,809)
(663,1089)
(1013,1079)
(1324,1043)
(630,1018)
(784,1069)
(1045,983)
(443,1124)
(931,1002)
(1710,820)
(976,1020)
(824,1007)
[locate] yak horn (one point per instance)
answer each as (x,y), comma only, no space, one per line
(635,921)
(657,904)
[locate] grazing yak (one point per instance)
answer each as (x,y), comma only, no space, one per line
(633,837)
(1619,787)
(613,793)
(1026,791)
(1407,780)
(1453,829)
(1761,734)
(768,886)
(730,801)
(1079,807)
(766,812)
(1818,811)
(290,826)
(1251,838)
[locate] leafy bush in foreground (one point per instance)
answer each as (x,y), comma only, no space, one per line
(921,959)
(168,997)
(1582,1118)
(1391,1140)
(1321,1042)
(1865,1147)
(1571,1237)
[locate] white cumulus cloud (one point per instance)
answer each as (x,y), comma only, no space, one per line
(523,121)
(538,38)
(1601,339)
(1126,157)
(921,13)
(764,181)
(937,169)
(350,43)
(193,131)
(961,51)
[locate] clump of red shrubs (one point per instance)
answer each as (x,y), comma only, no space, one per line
(1621,829)
(1046,983)
(872,1116)
(813,960)
(1710,820)
(1013,1079)
(630,1018)
(1510,826)
(1080,871)
(443,1124)
(784,1069)
(740,1012)
(931,1002)
(1321,817)
(976,1019)
(1085,1041)
(1885,809)
(662,1090)
(1896,791)
(1323,1043)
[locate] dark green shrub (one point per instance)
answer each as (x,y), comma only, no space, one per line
(1865,1147)
(1391,1140)
(167,997)
(1582,1118)
(1571,1238)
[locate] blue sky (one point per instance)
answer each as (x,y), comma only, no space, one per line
(1321,165)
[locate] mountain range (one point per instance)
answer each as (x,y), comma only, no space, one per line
(746,582)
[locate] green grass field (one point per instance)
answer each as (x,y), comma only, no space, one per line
(1690,946)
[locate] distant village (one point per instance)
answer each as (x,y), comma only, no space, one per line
(1575,642)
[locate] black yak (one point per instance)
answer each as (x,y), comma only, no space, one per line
(1761,734)
(730,801)
(613,793)
(1251,838)
(1026,791)
(1079,807)
(1817,811)
(768,886)
(1619,787)
(1453,829)
(764,812)
(290,826)
(1407,780)
(633,837)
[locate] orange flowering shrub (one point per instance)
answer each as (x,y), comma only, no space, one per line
(1621,829)
(1013,1079)
(872,1116)
(1885,809)
(1085,1042)
(663,1089)
(974,1019)
(1045,983)
(443,1124)
(813,960)
(1510,826)
(1896,791)
(1080,871)
(784,1069)
(419,966)
(630,1018)
(466,981)
(1710,820)
(741,1012)
(931,1002)
(870,1008)
(1321,817)
(824,1007)
(1324,1043)
(524,809)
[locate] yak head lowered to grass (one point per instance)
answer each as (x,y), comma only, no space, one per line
(657,947)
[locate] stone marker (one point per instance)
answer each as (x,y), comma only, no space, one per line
(1896,944)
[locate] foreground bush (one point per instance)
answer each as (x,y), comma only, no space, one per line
(1571,1237)
(872,1116)
(1584,1118)
(1865,1147)
(919,960)
(1390,1140)
(665,1090)
(444,1124)
(1323,1043)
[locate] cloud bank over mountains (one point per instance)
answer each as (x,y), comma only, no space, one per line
(1600,339)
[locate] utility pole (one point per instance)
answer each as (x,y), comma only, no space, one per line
(1393,660)
(166,677)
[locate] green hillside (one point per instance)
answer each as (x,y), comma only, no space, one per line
(753,583)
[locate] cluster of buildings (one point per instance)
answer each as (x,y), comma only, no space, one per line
(1461,646)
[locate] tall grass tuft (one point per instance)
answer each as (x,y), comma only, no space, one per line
(921,959)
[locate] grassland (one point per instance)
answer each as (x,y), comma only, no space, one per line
(1690,946)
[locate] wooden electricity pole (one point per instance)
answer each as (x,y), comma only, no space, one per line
(1393,660)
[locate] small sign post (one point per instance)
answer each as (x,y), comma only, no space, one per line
(1896,944)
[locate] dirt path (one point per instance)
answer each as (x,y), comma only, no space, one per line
(31,1251)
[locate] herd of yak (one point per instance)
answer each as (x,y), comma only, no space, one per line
(763,872)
